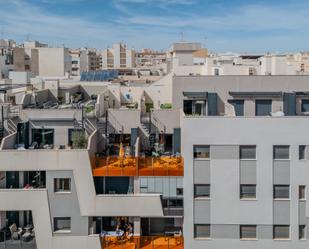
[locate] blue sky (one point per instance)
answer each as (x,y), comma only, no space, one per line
(223,25)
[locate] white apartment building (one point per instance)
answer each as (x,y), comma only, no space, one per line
(118,57)
(54,62)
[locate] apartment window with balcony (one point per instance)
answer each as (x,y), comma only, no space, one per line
(202,231)
(247,152)
(247,232)
(263,107)
(201,151)
(302,192)
(281,232)
(302,152)
(281,152)
(201,191)
(305,105)
(302,232)
(62,224)
(247,191)
(281,191)
(62,185)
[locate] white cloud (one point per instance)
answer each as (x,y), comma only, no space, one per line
(250,26)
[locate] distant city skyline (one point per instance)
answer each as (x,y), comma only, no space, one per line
(222,26)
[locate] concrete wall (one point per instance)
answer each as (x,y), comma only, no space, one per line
(224,84)
(65,204)
(227,211)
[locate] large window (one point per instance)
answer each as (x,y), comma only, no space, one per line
(194,107)
(238,105)
(305,105)
(247,191)
(302,232)
(302,192)
(201,151)
(202,231)
(263,107)
(43,137)
(247,152)
(281,191)
(281,152)
(247,232)
(201,190)
(281,232)
(302,152)
(62,224)
(62,184)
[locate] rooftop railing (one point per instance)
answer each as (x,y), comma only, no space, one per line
(138,166)
(143,242)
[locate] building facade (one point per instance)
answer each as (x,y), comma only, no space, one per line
(185,162)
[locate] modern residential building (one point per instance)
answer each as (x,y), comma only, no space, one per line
(118,57)
(6,57)
(54,62)
(85,60)
(184,162)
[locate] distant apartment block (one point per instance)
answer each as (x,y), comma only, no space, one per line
(118,57)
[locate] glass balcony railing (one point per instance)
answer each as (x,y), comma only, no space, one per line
(149,242)
(138,166)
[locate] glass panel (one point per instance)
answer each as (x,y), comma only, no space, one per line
(247,152)
(201,151)
(302,232)
(305,105)
(202,231)
(281,232)
(247,191)
(202,190)
(62,223)
(281,191)
(302,191)
(248,232)
(302,152)
(263,107)
(281,152)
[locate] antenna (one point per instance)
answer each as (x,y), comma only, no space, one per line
(28,37)
(205,41)
(2,33)
(181,36)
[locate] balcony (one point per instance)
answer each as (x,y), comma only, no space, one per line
(145,242)
(138,166)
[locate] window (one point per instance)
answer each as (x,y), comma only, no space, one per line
(263,107)
(305,105)
(201,151)
(302,152)
(247,152)
(247,231)
(62,184)
(302,232)
(62,224)
(281,192)
(201,190)
(238,105)
(217,72)
(179,191)
(281,232)
(201,231)
(302,192)
(247,191)
(281,152)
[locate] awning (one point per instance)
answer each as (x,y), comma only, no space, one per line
(196,95)
(302,93)
(256,94)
